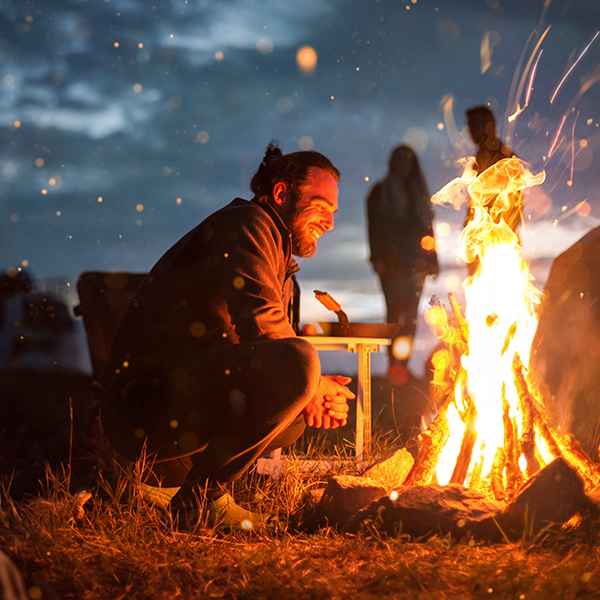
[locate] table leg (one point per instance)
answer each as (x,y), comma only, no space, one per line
(364,401)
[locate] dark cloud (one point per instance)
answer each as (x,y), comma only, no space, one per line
(143,103)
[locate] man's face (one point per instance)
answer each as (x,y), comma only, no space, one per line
(313,213)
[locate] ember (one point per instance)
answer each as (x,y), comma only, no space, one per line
(492,431)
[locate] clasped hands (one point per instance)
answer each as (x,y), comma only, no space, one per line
(328,408)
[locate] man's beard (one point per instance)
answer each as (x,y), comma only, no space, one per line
(304,244)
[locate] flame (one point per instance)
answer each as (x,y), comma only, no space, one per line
(500,314)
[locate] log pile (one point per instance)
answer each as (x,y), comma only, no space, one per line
(522,437)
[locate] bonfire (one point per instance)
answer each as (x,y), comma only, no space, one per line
(492,430)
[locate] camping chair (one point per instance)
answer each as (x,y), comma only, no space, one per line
(103,299)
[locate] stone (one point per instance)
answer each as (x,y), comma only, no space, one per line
(566,351)
(425,510)
(345,495)
(553,495)
(392,470)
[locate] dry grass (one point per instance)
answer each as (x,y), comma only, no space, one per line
(121,547)
(124,548)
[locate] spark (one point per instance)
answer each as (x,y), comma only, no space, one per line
(569,212)
(517,94)
(516,113)
(557,134)
(573,66)
(529,90)
(570,182)
(532,78)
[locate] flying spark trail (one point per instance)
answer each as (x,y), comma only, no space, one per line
(570,182)
(551,151)
(532,77)
(574,65)
(569,212)
(529,90)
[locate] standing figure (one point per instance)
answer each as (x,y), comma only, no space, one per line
(400,217)
(490,150)
(206,373)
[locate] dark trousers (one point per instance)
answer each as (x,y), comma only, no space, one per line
(215,412)
(402,294)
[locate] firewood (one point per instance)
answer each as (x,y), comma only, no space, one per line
(559,446)
(567,445)
(512,450)
(496,478)
(527,428)
(576,456)
(539,414)
(433,440)
(542,395)
(439,392)
(463,460)
(461,322)
(475,481)
(447,328)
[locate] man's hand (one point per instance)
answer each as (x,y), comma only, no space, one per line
(328,408)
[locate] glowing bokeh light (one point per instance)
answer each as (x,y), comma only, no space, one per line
(306,59)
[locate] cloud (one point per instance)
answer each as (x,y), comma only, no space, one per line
(242,23)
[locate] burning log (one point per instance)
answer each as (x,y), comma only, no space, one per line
(527,411)
(566,446)
(463,326)
(497,479)
(452,329)
(512,451)
(524,387)
(480,371)
(432,440)
(463,460)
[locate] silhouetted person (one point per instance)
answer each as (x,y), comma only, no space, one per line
(490,150)
(400,217)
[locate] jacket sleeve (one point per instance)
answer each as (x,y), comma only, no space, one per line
(249,260)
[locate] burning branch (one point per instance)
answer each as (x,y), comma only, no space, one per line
(463,460)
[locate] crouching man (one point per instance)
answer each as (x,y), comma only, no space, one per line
(206,373)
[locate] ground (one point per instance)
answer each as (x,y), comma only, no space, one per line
(118,546)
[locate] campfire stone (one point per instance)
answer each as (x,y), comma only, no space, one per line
(391,471)
(345,495)
(429,509)
(553,495)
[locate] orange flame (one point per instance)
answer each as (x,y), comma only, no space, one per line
(500,310)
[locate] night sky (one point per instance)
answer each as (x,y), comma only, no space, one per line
(124,123)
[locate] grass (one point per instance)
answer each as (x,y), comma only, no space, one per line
(119,546)
(122,547)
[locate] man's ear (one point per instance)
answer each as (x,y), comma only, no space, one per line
(280,193)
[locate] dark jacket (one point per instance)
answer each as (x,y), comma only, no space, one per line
(395,233)
(227,281)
